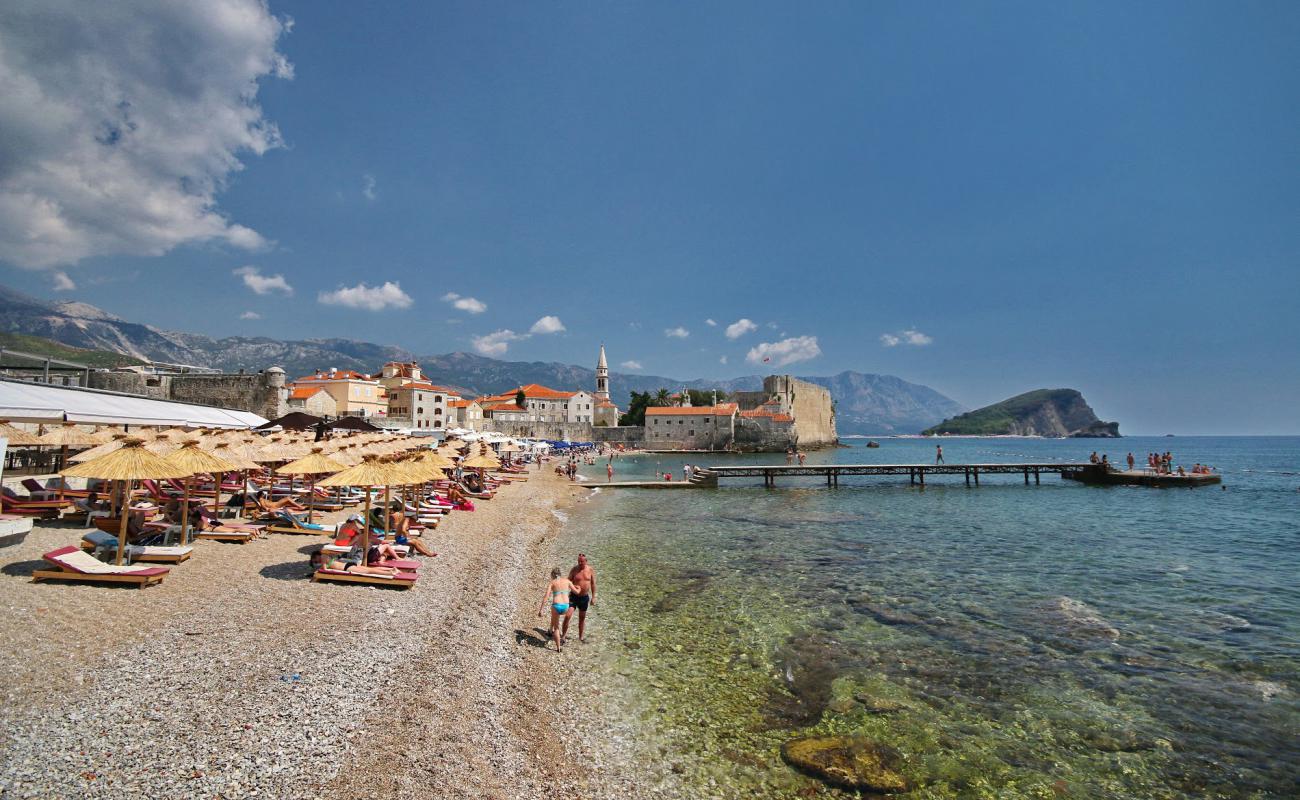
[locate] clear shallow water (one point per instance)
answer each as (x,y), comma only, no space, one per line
(1008,641)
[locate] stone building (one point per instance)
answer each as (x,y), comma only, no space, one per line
(312,400)
(788,412)
(468,414)
(420,404)
(262,393)
(541,404)
(691,427)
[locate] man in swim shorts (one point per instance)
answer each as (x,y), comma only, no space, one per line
(583,579)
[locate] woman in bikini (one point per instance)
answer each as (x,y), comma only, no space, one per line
(557,597)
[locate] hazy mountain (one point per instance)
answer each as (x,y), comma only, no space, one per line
(866,404)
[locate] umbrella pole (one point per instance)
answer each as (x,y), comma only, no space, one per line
(121,528)
(185,510)
(365,533)
(388,511)
(63,482)
(311,497)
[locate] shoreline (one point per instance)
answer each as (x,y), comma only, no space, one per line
(238,674)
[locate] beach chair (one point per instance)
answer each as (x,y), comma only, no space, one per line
(77,565)
(99,542)
(402,580)
(43,509)
(284,522)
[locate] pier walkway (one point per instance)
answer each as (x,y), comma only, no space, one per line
(916,473)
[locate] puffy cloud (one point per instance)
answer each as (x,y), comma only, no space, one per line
(497,342)
(740,327)
(62,283)
(547,324)
(250,315)
(368,298)
(722,360)
(786,351)
(468,304)
(369,189)
(711,323)
(676,333)
(911,337)
(631,364)
(124,121)
(263,284)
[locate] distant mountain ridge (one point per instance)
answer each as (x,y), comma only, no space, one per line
(1042,412)
(865,403)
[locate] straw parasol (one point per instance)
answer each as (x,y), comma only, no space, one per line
(482,461)
(313,464)
(127,464)
(369,473)
(17,436)
(190,457)
(65,436)
(101,450)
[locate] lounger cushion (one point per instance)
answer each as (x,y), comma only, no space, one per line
(401,576)
(76,560)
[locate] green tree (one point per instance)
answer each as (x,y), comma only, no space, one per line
(636,407)
(521,399)
(704,397)
(663,397)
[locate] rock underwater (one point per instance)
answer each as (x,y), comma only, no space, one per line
(850,762)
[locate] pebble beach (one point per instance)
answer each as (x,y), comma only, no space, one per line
(238,676)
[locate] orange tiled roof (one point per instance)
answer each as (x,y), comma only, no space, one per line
(504,407)
(303,392)
(460,403)
(605,404)
(720,410)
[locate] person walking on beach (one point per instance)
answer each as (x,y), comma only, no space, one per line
(938,454)
(557,597)
(1130,462)
(583,578)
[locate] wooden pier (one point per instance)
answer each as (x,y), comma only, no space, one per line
(916,473)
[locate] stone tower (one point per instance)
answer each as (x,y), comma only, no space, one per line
(602,377)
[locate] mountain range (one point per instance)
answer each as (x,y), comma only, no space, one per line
(866,404)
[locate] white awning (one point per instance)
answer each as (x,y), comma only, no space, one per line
(39,402)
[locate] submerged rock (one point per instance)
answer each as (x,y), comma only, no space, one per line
(850,762)
(1080,620)
(809,665)
(883,613)
(691,584)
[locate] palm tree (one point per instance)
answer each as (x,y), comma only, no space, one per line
(662,398)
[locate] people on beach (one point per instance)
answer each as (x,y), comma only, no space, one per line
(802,456)
(609,471)
(557,597)
(938,454)
(583,578)
(1130,462)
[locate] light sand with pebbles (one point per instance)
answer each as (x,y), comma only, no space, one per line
(237,676)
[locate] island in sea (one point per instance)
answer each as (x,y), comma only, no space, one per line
(1042,412)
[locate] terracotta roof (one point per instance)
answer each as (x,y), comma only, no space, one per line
(460,403)
(303,392)
(423,386)
(605,404)
(720,410)
(782,418)
(505,407)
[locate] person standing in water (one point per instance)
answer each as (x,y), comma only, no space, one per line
(583,578)
(609,471)
(938,454)
(557,597)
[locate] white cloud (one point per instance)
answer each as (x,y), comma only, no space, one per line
(369,189)
(631,365)
(722,360)
(773,325)
(740,327)
(786,351)
(250,315)
(468,304)
(367,298)
(547,324)
(676,333)
(62,283)
(123,122)
(910,336)
(263,284)
(497,342)
(710,323)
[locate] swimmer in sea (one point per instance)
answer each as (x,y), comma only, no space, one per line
(557,597)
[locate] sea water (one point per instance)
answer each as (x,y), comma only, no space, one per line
(1053,640)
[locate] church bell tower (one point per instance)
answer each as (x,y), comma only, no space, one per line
(602,377)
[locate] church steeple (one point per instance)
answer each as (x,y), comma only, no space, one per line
(602,376)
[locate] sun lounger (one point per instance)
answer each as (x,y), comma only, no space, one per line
(402,580)
(103,542)
(283,522)
(45,509)
(76,565)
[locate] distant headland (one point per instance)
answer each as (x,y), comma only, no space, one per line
(1042,412)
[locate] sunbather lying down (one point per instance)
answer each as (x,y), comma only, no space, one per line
(349,563)
(265,503)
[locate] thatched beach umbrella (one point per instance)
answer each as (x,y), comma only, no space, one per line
(368,474)
(127,464)
(65,436)
(234,455)
(17,436)
(101,450)
(189,457)
(311,465)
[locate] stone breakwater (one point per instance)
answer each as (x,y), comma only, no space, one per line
(239,677)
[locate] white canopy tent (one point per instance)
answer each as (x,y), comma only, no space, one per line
(39,402)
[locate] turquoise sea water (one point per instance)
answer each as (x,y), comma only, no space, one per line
(1005,641)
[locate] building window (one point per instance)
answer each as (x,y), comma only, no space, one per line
(437,398)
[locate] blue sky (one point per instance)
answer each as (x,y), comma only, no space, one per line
(982,197)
